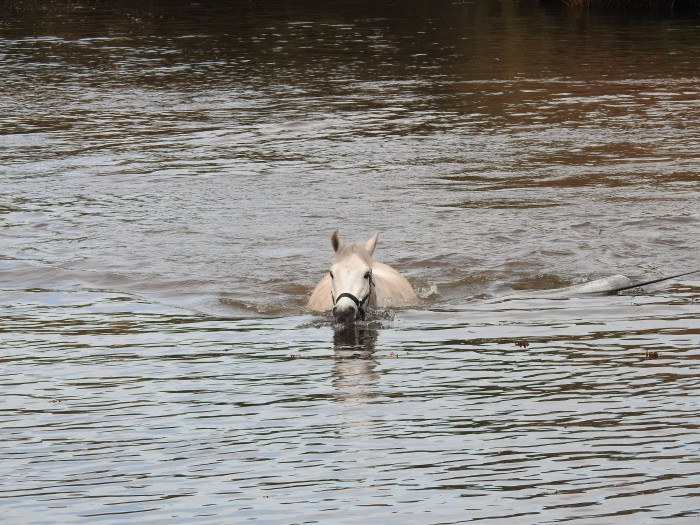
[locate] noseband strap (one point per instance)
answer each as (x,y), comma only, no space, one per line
(354,299)
(359,303)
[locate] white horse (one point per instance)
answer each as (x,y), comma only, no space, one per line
(356,282)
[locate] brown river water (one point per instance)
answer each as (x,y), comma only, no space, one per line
(170,176)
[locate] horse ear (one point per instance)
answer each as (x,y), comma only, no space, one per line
(372,244)
(336,242)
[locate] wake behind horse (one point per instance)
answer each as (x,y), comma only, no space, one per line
(355,282)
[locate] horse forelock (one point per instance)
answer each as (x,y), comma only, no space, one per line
(352,249)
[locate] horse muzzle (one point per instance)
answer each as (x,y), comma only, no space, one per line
(348,311)
(346,315)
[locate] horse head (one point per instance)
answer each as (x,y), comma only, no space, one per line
(351,278)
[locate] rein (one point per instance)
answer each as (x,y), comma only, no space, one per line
(359,303)
(623,288)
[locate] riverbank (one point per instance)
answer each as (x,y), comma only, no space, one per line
(638,5)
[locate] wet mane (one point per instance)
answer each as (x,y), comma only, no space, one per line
(350,249)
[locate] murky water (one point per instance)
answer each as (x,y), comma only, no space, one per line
(170,178)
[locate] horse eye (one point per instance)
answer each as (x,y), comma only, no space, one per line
(331,274)
(368,275)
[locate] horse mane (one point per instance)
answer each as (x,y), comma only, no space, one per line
(350,249)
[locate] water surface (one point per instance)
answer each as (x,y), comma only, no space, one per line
(170,178)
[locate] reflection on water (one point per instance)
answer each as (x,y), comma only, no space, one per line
(354,341)
(354,347)
(171,172)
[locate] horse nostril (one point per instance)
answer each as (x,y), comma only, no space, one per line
(344,315)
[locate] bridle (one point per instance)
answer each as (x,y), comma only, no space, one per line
(359,303)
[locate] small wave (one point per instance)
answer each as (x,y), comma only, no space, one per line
(242,307)
(426,291)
